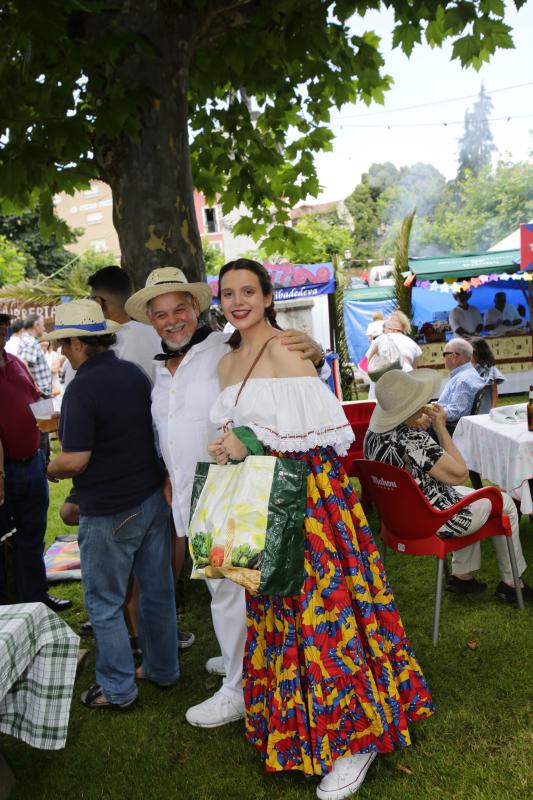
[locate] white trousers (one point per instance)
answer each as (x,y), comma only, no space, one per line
(469,558)
(228,610)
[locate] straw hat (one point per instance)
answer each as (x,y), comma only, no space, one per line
(80,318)
(162,281)
(400,394)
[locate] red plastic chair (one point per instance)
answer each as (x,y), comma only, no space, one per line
(409,523)
(358,415)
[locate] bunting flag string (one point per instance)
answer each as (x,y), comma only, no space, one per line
(451,285)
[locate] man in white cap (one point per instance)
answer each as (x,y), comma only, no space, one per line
(108,449)
(186,386)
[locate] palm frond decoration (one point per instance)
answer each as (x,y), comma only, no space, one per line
(49,290)
(401,264)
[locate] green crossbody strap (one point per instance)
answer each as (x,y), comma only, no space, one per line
(249,440)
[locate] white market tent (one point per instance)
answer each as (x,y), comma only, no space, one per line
(511,242)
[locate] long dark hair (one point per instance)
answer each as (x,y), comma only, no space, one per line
(482,353)
(266,288)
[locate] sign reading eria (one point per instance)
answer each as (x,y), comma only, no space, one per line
(23,310)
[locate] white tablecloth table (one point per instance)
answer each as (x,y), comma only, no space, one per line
(38,659)
(502,453)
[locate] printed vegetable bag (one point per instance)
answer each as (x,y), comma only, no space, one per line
(247,523)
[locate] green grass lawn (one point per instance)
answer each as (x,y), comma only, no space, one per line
(478,745)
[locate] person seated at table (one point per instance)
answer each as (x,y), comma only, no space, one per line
(485,364)
(394,437)
(464,319)
(463,384)
(503,317)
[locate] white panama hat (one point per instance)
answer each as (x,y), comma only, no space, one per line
(164,280)
(400,394)
(80,318)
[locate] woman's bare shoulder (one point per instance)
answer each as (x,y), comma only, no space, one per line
(224,369)
(289,363)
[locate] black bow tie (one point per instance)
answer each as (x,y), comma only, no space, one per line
(201,333)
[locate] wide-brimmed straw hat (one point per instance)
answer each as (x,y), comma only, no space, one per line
(400,394)
(162,281)
(80,318)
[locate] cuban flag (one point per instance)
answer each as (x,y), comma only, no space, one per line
(526,246)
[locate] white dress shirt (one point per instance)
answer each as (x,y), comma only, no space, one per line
(180,409)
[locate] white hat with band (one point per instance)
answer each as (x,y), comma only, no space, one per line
(80,318)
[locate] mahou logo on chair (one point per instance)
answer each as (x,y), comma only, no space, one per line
(384,483)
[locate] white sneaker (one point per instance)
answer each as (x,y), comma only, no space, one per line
(216,666)
(215,711)
(346,777)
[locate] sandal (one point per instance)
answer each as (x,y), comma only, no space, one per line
(94,697)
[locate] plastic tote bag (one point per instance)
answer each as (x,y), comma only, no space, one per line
(247,523)
(386,357)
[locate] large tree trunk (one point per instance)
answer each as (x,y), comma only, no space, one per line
(150,177)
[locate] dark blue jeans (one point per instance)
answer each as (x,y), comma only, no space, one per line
(26,506)
(111,547)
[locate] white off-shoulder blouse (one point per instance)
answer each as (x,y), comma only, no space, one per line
(286,414)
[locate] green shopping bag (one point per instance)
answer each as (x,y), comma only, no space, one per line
(247,523)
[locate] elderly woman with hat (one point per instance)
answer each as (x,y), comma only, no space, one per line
(396,436)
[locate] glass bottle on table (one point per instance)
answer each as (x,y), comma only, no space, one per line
(530,410)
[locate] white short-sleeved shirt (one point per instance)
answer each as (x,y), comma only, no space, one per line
(466,318)
(138,343)
(496,317)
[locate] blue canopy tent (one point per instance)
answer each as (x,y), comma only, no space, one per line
(359,305)
(429,302)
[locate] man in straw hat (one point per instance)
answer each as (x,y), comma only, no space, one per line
(186,386)
(394,437)
(108,449)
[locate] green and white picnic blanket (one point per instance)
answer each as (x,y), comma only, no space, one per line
(38,658)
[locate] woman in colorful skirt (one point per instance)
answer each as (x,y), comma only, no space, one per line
(330,678)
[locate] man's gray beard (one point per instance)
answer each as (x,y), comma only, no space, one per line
(172,346)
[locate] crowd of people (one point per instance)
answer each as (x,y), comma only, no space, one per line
(325,680)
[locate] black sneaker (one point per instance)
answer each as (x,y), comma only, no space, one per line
(56,603)
(185,639)
(87,629)
(458,586)
(508,593)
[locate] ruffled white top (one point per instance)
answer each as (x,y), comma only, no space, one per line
(290,415)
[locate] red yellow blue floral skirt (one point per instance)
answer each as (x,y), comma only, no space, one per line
(330,671)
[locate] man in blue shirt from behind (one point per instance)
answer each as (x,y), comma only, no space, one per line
(108,449)
(464,382)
